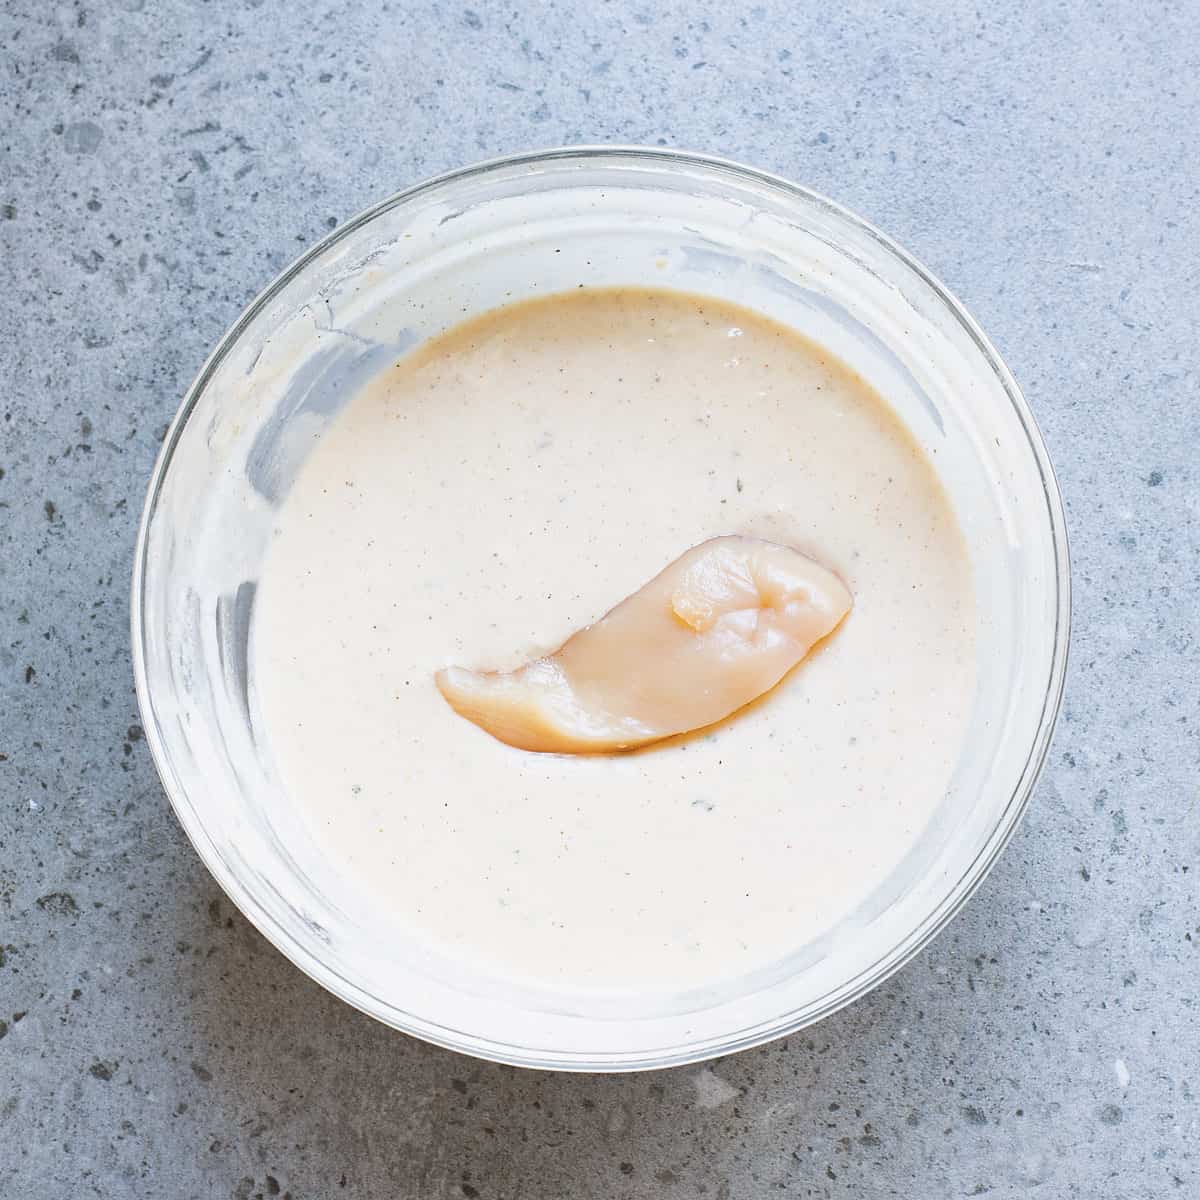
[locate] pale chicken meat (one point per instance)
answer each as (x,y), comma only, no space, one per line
(718,627)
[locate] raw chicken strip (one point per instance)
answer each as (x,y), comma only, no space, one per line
(717,628)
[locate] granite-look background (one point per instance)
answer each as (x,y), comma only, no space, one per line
(162,159)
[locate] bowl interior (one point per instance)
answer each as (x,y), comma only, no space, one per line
(412,268)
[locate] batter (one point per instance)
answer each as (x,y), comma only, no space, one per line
(493,493)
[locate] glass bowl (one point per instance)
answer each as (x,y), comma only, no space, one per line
(461,244)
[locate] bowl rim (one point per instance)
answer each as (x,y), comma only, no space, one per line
(462,1041)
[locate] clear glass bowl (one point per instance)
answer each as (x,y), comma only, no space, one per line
(466,242)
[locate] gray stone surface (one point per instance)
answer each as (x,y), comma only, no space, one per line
(161,159)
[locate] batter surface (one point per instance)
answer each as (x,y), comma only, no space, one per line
(505,485)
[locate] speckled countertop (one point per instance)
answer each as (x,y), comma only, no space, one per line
(161,159)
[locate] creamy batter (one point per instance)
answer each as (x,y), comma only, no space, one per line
(502,487)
